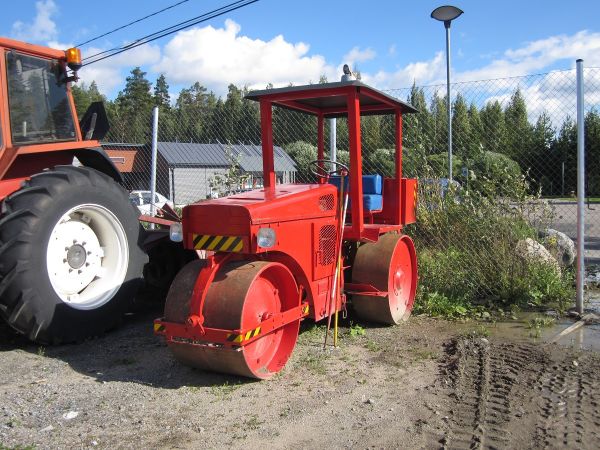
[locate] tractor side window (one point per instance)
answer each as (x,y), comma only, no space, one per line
(38,102)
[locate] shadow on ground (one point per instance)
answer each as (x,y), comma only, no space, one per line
(130,354)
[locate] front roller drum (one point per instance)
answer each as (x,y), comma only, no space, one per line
(241,296)
(389,265)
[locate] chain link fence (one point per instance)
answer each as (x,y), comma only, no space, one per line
(514,145)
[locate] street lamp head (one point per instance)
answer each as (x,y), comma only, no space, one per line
(446,14)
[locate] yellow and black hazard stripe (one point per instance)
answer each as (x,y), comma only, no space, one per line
(416,194)
(218,243)
(239,338)
(305,309)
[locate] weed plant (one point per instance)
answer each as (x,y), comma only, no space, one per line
(466,239)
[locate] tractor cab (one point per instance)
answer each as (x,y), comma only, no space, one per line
(38,120)
(286,252)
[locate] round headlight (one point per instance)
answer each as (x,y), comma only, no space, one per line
(176,232)
(266,237)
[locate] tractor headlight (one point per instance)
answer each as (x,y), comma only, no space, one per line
(176,232)
(266,237)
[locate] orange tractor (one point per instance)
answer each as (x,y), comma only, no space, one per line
(289,251)
(71,253)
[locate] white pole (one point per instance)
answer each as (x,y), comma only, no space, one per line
(332,139)
(580,188)
(153,162)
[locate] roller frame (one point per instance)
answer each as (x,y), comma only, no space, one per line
(195,334)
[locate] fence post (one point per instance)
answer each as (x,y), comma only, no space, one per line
(332,139)
(580,188)
(153,162)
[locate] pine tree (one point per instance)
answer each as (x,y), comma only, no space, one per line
(461,130)
(566,151)
(518,135)
(545,168)
(133,106)
(162,98)
(440,124)
(494,128)
(592,152)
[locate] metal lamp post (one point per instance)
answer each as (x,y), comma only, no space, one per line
(447,14)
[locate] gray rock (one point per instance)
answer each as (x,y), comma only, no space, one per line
(533,251)
(560,246)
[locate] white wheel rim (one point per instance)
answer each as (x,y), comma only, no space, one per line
(87,256)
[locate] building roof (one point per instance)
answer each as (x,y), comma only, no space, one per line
(330,99)
(249,156)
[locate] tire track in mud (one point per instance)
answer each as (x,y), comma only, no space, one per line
(484,378)
(520,395)
(569,415)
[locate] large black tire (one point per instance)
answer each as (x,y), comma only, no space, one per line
(29,270)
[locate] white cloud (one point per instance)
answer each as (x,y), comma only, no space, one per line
(218,56)
(42,28)
(538,55)
(357,55)
(109,73)
(421,72)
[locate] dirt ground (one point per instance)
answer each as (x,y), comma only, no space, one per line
(425,384)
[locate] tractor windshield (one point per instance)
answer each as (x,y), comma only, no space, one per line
(38,102)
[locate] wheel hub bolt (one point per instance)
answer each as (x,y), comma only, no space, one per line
(76,256)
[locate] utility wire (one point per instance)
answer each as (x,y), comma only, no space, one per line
(150,36)
(169,30)
(132,23)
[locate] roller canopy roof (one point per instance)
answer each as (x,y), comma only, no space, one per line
(330,99)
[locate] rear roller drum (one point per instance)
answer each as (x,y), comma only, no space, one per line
(390,265)
(242,295)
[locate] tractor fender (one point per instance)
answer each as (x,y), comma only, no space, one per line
(96,158)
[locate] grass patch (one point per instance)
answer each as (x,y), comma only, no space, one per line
(481,331)
(314,362)
(537,323)
(356,330)
(222,391)
(18,447)
(252,423)
(372,346)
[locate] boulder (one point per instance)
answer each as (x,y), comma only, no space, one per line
(533,251)
(560,246)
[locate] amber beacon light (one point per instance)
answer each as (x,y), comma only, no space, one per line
(73,56)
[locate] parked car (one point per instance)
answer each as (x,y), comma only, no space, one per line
(142,199)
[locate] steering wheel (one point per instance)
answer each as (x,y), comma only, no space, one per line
(316,168)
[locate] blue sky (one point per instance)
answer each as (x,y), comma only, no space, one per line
(392,43)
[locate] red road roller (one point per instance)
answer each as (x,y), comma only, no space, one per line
(286,252)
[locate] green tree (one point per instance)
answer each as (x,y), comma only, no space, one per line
(417,128)
(494,127)
(518,131)
(545,165)
(476,126)
(162,99)
(565,148)
(84,96)
(133,107)
(440,124)
(462,139)
(592,152)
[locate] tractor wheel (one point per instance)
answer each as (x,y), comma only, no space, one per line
(70,255)
(241,296)
(390,265)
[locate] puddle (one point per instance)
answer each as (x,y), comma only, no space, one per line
(584,338)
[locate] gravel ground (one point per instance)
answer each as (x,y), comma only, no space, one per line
(419,385)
